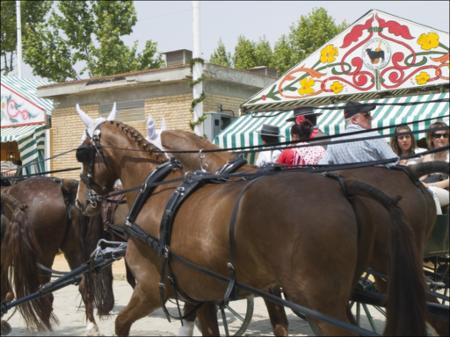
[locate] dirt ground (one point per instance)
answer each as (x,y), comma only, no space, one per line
(69,309)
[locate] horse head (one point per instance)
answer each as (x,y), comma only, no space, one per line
(92,157)
(109,151)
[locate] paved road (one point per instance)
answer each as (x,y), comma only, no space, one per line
(69,309)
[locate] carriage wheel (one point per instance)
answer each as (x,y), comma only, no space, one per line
(238,316)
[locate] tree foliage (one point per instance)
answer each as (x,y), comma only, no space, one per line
(311,32)
(244,54)
(305,36)
(220,56)
(85,37)
(32,13)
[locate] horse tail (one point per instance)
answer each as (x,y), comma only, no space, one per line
(98,283)
(19,253)
(406,304)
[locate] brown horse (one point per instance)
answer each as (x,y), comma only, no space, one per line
(50,223)
(416,202)
(280,240)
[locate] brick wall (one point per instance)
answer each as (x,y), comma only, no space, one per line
(212,102)
(174,109)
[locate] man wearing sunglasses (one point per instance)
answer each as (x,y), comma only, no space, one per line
(357,118)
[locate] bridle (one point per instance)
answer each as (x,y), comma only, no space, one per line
(87,154)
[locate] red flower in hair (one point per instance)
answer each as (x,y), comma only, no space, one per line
(299,119)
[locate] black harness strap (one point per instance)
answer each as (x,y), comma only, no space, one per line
(232,166)
(230,292)
(147,189)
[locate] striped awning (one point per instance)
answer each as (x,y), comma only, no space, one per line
(242,132)
(27,87)
(31,144)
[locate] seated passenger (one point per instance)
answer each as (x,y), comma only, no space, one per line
(269,135)
(357,118)
(403,143)
(307,114)
(437,137)
(300,156)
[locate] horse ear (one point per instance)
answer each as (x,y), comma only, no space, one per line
(88,121)
(151,128)
(112,114)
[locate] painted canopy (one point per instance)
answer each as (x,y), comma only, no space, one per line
(20,103)
(378,53)
(24,120)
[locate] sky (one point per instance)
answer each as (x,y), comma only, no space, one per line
(169,23)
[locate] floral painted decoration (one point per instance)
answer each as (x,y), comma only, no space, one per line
(306,86)
(328,54)
(428,41)
(422,78)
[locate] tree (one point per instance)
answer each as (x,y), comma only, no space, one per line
(305,36)
(282,55)
(86,35)
(244,54)
(263,53)
(311,32)
(220,56)
(32,13)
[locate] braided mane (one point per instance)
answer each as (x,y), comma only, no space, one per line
(138,139)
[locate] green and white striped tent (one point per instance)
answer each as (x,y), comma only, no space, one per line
(31,144)
(243,131)
(30,138)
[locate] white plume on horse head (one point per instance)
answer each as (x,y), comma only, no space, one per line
(91,123)
(112,114)
(151,128)
(154,135)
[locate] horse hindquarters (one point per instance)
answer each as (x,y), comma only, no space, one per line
(282,236)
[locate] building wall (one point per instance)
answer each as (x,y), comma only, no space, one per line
(174,109)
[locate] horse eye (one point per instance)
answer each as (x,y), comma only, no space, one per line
(84,153)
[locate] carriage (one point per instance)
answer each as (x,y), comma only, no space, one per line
(247,315)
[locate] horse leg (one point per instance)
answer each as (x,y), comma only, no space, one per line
(207,318)
(189,312)
(277,314)
(85,290)
(143,301)
(330,304)
(130,277)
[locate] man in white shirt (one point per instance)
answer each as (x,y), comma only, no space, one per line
(357,118)
(270,135)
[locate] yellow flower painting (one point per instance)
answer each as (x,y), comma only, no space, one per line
(336,87)
(428,41)
(422,78)
(306,86)
(328,54)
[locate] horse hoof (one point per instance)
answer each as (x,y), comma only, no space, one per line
(92,330)
(5,328)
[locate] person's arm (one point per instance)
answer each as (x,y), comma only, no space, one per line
(441,184)
(383,149)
